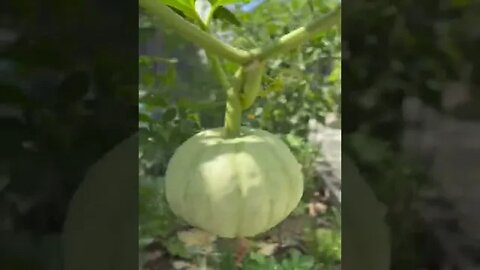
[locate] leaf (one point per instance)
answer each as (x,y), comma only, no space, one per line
(148,79)
(336,73)
(196,238)
(203,8)
(169,77)
(153,100)
(169,114)
(256,261)
(222,13)
(143,117)
(226,2)
(176,247)
(460,3)
(227,261)
(182,265)
(267,249)
(298,261)
(277,85)
(325,244)
(187,7)
(187,126)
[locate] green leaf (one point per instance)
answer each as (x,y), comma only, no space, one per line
(222,13)
(187,126)
(227,261)
(277,85)
(169,115)
(148,79)
(169,77)
(154,100)
(256,261)
(187,7)
(177,248)
(226,2)
(297,261)
(460,3)
(143,117)
(336,73)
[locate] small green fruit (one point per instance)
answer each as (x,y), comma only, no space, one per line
(233,187)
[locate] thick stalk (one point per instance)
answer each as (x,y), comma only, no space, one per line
(161,13)
(233,113)
(201,37)
(299,35)
(233,110)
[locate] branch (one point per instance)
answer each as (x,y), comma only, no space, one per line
(161,13)
(299,36)
(219,72)
(233,109)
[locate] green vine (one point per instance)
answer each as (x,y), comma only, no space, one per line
(233,110)
(242,92)
(161,13)
(299,35)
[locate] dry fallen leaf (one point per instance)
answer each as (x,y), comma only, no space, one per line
(267,249)
(182,265)
(315,208)
(196,238)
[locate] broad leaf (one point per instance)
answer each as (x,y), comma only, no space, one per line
(226,2)
(225,14)
(203,8)
(187,7)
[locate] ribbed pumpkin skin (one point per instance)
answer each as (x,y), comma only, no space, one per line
(236,187)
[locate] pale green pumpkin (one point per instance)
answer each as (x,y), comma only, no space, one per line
(233,187)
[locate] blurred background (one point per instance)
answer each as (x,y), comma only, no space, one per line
(411,109)
(68,81)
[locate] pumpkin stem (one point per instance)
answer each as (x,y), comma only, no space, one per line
(233,110)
